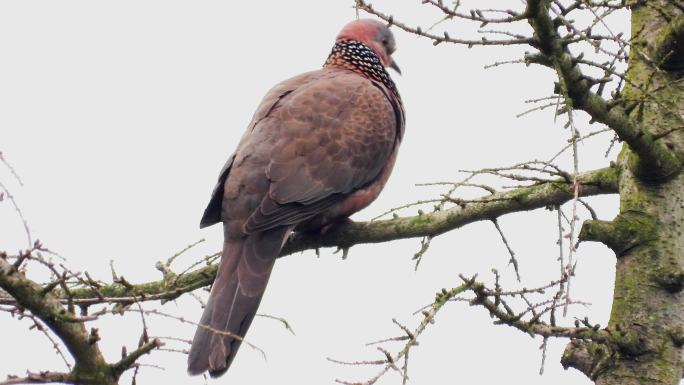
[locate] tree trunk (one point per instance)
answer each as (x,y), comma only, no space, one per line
(647,317)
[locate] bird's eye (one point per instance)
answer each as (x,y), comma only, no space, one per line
(384,42)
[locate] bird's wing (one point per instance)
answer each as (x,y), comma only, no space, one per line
(324,140)
(212,213)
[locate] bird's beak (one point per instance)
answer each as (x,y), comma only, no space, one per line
(393,65)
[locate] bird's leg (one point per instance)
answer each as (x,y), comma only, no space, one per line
(321,230)
(340,222)
(336,223)
(345,252)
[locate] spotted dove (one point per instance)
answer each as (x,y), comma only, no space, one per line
(320,147)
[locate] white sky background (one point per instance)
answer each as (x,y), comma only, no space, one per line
(119,115)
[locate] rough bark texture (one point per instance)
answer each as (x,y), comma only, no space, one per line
(648,304)
(91,367)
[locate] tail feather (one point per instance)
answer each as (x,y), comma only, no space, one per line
(234,299)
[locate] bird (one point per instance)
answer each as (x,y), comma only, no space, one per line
(320,147)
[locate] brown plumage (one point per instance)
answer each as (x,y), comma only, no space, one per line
(319,148)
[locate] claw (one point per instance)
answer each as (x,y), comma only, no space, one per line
(345,252)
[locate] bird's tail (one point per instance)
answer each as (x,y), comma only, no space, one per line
(235,296)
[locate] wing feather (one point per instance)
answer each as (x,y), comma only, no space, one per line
(347,139)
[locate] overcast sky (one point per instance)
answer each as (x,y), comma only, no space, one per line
(119,115)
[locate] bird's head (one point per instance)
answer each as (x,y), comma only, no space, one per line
(376,35)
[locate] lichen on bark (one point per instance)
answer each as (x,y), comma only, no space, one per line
(647,234)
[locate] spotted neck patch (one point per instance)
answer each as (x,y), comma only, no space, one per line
(358,57)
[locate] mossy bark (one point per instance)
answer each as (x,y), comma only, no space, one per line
(90,366)
(647,235)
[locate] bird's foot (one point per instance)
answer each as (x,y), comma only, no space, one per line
(327,228)
(340,222)
(344,250)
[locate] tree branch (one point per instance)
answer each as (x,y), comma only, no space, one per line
(655,160)
(626,231)
(90,365)
(40,378)
(602,181)
(588,357)
(129,360)
(445,38)
(553,193)
(30,295)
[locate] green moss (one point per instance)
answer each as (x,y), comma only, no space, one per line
(100,375)
(608,176)
(626,231)
(669,52)
(635,196)
(628,287)
(420,221)
(628,342)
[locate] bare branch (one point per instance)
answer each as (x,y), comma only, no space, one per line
(445,38)
(656,161)
(130,359)
(40,378)
(48,308)
(552,193)
(602,181)
(90,366)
